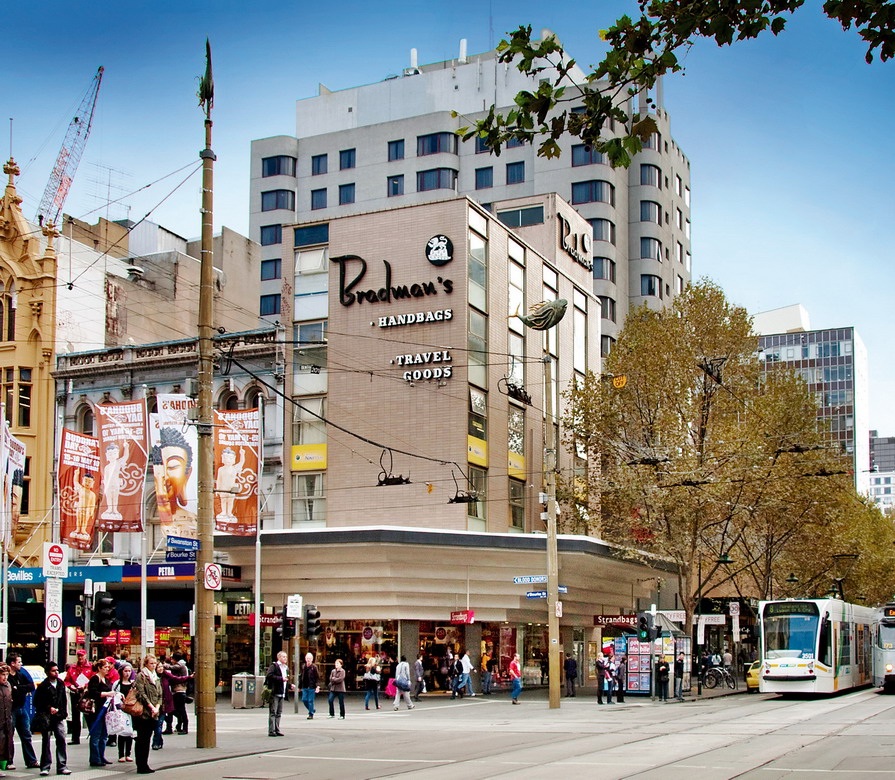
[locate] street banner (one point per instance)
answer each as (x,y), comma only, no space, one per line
(122,460)
(4,459)
(14,481)
(175,450)
(237,461)
(78,487)
(157,466)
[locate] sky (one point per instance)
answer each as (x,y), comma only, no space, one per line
(788,137)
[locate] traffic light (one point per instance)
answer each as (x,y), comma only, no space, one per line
(286,628)
(643,626)
(105,619)
(312,622)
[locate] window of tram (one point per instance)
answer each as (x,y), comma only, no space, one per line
(825,642)
(887,637)
(844,644)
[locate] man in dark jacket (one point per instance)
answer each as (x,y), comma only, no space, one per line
(602,670)
(679,677)
(277,680)
(22,687)
(310,684)
(51,705)
(570,666)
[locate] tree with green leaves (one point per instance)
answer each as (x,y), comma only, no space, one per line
(641,50)
(702,454)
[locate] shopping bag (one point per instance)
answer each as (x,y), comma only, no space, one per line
(390,689)
(118,723)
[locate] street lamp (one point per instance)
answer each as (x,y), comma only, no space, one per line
(722,560)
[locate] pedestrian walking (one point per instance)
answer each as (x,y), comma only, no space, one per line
(173,679)
(22,691)
(487,672)
(337,690)
(99,692)
(621,678)
(468,668)
(679,677)
(372,677)
(51,707)
(6,729)
(662,679)
(458,685)
(727,660)
(570,667)
(600,666)
(76,678)
(277,681)
(419,677)
(125,741)
(310,684)
(402,684)
(148,691)
(516,678)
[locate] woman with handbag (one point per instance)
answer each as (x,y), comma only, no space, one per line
(372,676)
(94,705)
(125,743)
(148,693)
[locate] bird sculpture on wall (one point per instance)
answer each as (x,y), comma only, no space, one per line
(544,315)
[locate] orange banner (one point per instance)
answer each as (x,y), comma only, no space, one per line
(78,487)
(237,460)
(122,451)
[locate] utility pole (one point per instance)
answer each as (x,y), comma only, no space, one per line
(206,732)
(553,605)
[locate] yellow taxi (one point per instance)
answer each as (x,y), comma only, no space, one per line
(752,677)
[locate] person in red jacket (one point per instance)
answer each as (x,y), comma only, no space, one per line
(76,693)
(516,677)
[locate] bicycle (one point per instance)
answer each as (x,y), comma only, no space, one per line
(719,676)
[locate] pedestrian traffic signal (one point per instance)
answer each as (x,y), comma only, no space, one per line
(286,628)
(105,619)
(312,622)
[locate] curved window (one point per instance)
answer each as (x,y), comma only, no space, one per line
(277,199)
(86,421)
(582,154)
(593,191)
(436,179)
(436,143)
(650,285)
(604,230)
(651,175)
(278,166)
(651,248)
(604,268)
(7,312)
(607,308)
(650,211)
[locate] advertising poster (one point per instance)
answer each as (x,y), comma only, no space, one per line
(122,464)
(78,487)
(175,452)
(5,435)
(15,480)
(237,461)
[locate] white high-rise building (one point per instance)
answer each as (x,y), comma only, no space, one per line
(392,143)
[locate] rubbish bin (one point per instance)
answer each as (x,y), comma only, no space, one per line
(238,690)
(254,687)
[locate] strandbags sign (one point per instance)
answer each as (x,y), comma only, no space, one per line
(122,463)
(237,456)
(78,487)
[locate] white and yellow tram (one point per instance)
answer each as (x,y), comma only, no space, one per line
(815,645)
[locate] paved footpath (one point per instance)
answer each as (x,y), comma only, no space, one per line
(756,736)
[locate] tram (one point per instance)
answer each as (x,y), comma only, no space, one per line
(884,650)
(815,645)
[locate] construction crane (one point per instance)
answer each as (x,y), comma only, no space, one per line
(69,156)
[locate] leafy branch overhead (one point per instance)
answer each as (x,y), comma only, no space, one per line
(641,50)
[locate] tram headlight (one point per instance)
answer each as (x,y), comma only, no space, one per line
(888,668)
